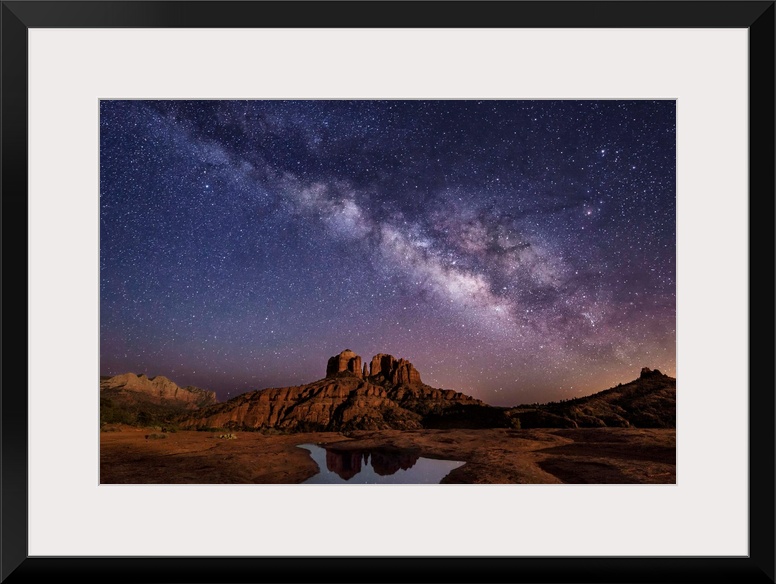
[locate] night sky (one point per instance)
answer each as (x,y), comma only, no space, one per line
(517,251)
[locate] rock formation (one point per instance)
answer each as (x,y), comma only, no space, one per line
(338,403)
(647,372)
(347,360)
(382,365)
(391,395)
(405,374)
(385,367)
(397,372)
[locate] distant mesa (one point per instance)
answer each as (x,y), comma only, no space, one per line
(646,402)
(156,390)
(383,367)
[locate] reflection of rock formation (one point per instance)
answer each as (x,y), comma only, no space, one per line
(348,463)
(388,462)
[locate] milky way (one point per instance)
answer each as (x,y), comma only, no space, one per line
(517,251)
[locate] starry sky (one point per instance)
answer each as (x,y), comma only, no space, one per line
(518,251)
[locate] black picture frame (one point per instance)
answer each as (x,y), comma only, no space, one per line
(757,17)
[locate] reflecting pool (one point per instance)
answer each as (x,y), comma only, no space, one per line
(376,466)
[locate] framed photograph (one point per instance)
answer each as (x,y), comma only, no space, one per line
(504,246)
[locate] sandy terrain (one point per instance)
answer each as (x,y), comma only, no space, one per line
(605,455)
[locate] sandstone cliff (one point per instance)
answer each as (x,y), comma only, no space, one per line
(383,368)
(346,361)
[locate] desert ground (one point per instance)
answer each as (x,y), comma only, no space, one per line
(583,456)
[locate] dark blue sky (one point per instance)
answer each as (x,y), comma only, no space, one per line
(517,251)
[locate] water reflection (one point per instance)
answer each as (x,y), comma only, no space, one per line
(376,466)
(348,463)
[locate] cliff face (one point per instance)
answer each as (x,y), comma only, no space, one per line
(159,390)
(347,361)
(405,373)
(390,396)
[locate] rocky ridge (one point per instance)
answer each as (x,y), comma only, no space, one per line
(382,393)
(646,402)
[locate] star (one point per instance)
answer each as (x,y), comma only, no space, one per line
(243,243)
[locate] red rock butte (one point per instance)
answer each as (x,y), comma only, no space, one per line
(386,394)
(382,367)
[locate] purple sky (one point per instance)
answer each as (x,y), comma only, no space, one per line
(517,251)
